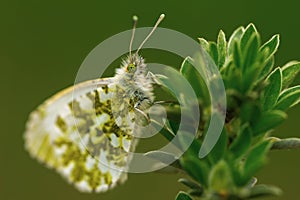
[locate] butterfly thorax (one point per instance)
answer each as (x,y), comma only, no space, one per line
(133,79)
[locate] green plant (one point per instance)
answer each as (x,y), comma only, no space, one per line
(258,94)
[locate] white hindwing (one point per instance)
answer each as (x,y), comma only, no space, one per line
(77,132)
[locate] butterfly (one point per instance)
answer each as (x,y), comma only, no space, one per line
(86,136)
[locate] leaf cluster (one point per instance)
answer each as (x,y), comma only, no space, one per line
(258,95)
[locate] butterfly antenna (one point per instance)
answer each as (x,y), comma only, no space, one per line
(135,19)
(161,17)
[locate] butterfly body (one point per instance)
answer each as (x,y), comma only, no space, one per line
(133,77)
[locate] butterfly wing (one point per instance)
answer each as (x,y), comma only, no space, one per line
(76,133)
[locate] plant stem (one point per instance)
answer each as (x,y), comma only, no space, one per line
(288,143)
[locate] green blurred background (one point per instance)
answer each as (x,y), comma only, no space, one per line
(44,42)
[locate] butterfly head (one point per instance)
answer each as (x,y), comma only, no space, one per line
(135,63)
(131,68)
(133,73)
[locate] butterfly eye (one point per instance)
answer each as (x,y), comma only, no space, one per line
(131,67)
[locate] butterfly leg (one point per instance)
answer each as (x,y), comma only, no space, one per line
(165,102)
(153,77)
(140,108)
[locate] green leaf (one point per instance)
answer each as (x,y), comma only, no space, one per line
(288,91)
(221,46)
(195,79)
(264,190)
(220,178)
(237,55)
(161,156)
(251,51)
(235,165)
(189,183)
(255,159)
(267,68)
(219,149)
(193,149)
(204,44)
(242,142)
(249,111)
(196,168)
(288,98)
(236,36)
(249,78)
(183,196)
(195,192)
(273,89)
(213,52)
(272,45)
(249,31)
(289,72)
(267,121)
